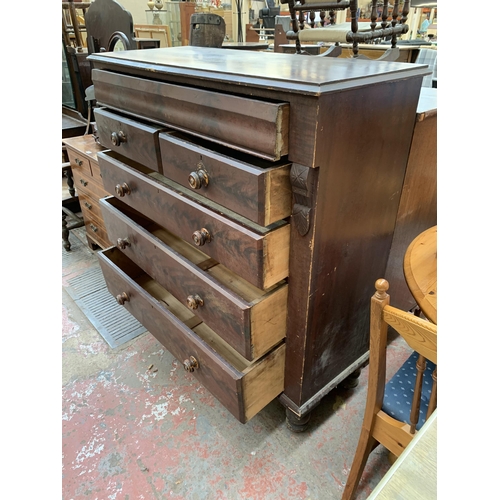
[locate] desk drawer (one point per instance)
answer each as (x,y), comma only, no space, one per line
(135,140)
(96,231)
(256,127)
(90,204)
(253,188)
(250,320)
(89,186)
(79,164)
(257,254)
(244,388)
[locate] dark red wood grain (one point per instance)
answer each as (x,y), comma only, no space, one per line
(220,378)
(224,311)
(141,143)
(233,245)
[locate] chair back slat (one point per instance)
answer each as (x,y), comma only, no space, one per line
(417,393)
(383,25)
(433,398)
(421,335)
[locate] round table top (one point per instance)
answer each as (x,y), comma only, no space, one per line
(420,270)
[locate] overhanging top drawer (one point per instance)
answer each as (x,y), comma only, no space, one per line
(250,125)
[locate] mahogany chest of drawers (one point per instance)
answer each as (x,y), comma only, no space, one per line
(82,153)
(255,201)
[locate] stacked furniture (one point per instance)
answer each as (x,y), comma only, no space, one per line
(82,154)
(248,221)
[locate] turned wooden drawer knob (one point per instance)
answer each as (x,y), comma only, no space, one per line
(122,243)
(122,298)
(193,301)
(201,237)
(118,138)
(191,364)
(122,189)
(198,179)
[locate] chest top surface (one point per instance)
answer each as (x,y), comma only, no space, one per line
(86,145)
(291,72)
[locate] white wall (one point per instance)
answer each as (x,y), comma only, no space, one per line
(137,8)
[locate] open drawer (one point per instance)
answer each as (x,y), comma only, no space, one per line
(133,138)
(222,118)
(251,320)
(256,189)
(243,387)
(257,254)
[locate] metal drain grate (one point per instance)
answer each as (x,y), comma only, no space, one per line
(115,324)
(78,252)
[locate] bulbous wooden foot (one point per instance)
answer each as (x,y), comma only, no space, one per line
(352,380)
(295,423)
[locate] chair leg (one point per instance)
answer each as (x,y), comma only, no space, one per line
(70,182)
(365,445)
(433,398)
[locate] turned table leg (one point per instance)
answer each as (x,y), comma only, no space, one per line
(70,182)
(65,233)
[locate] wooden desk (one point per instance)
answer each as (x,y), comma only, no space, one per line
(420,269)
(245,45)
(414,474)
(314,50)
(407,53)
(72,126)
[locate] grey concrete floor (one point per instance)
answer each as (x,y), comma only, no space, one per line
(132,431)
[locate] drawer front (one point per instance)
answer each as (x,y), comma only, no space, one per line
(133,139)
(256,127)
(252,322)
(243,389)
(96,231)
(259,257)
(89,204)
(259,191)
(79,164)
(89,186)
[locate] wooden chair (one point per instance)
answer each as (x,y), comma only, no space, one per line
(383,25)
(393,415)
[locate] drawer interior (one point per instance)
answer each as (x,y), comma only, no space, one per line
(262,230)
(181,312)
(251,161)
